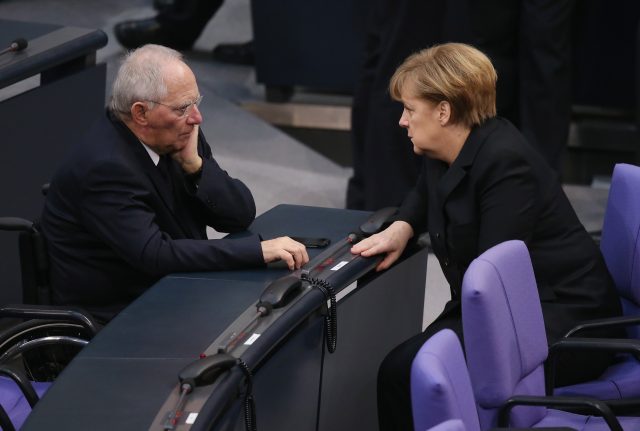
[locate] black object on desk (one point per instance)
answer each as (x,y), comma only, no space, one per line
(50,93)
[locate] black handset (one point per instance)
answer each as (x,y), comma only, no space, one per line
(278,293)
(377,220)
(206,370)
(312,242)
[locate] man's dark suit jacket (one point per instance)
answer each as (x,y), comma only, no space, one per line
(499,188)
(114,225)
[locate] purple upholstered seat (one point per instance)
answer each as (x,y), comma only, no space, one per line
(620,245)
(506,343)
(450,425)
(440,385)
(14,403)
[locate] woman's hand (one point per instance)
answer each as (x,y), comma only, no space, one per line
(392,241)
(284,248)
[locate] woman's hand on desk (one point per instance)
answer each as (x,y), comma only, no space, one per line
(392,241)
(286,249)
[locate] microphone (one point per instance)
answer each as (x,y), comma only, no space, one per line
(16,45)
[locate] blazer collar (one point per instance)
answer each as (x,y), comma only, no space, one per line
(458,169)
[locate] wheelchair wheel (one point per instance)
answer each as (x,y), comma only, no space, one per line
(35,347)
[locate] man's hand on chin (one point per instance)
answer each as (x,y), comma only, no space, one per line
(188,157)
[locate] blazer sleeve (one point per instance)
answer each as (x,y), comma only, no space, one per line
(114,207)
(226,203)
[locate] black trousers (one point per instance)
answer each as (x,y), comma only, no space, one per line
(187,18)
(384,166)
(529,43)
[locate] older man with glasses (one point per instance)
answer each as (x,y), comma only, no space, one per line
(132,201)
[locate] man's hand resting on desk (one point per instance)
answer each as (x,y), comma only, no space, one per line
(286,249)
(392,241)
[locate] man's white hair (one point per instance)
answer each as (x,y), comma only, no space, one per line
(140,78)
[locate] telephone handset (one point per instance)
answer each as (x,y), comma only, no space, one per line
(377,221)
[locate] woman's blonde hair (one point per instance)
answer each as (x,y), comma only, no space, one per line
(454,72)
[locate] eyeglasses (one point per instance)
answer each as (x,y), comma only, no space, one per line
(183,110)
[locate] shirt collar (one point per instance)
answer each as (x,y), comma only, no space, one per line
(155,158)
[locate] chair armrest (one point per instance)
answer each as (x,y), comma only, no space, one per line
(596,407)
(617,345)
(611,322)
(16,224)
(52,312)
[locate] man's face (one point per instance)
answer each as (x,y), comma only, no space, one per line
(171,120)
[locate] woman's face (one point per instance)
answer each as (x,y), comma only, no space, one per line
(423,121)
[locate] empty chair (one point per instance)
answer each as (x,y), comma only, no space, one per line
(506,347)
(440,385)
(620,245)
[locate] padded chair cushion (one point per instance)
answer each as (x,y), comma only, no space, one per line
(499,291)
(505,353)
(440,384)
(620,243)
(618,381)
(584,422)
(450,425)
(512,322)
(14,402)
(631,309)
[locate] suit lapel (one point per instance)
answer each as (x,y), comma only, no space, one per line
(151,171)
(179,207)
(460,166)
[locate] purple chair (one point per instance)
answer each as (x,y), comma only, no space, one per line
(506,347)
(450,425)
(440,385)
(15,404)
(620,245)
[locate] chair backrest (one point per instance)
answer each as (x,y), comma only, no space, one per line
(34,264)
(34,261)
(440,384)
(620,243)
(504,332)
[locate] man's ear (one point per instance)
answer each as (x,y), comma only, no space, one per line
(139,113)
(444,112)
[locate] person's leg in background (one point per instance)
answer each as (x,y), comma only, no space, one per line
(545,76)
(385,167)
(529,43)
(495,26)
(360,106)
(178,24)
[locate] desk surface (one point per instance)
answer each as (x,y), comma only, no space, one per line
(49,46)
(121,379)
